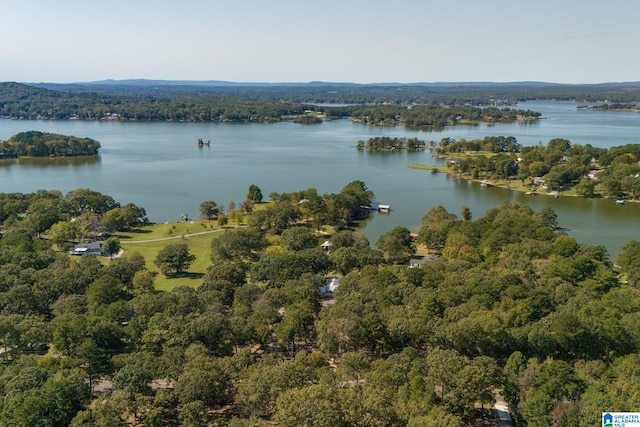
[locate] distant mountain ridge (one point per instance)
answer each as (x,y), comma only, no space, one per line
(146,82)
(151,82)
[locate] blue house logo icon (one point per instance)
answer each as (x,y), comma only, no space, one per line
(607,420)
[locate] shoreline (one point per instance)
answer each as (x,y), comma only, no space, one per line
(509,185)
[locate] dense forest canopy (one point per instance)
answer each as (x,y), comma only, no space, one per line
(505,301)
(43,144)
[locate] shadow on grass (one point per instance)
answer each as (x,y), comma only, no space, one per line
(139,231)
(132,231)
(186,275)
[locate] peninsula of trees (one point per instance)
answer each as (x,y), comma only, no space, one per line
(42,144)
(427,115)
(506,302)
(559,166)
(617,106)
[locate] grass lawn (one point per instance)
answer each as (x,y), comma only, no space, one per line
(200,246)
(149,240)
(167,229)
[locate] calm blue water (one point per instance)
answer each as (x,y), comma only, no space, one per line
(159,167)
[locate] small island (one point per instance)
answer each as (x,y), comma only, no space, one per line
(385,143)
(43,144)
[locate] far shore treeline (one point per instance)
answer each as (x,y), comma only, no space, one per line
(19,101)
(43,144)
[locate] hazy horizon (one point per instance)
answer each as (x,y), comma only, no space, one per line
(284,41)
(315,82)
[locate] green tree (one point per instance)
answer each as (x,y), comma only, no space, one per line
(84,200)
(247,206)
(103,291)
(254,194)
(353,366)
(209,210)
(315,405)
(42,214)
(63,231)
(204,379)
(586,187)
(239,244)
(135,377)
(193,414)
(629,261)
(298,238)
(55,403)
(344,259)
(143,282)
(70,331)
(174,259)
(95,360)
(435,226)
(466,213)
(397,245)
(549,217)
(111,246)
(125,267)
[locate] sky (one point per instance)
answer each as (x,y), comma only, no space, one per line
(360,41)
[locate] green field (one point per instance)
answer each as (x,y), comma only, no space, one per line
(144,241)
(149,240)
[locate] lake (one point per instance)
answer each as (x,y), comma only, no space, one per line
(158,166)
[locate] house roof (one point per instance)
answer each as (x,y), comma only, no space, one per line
(83,248)
(330,284)
(416,262)
(86,246)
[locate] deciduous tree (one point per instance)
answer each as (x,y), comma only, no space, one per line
(254,194)
(174,259)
